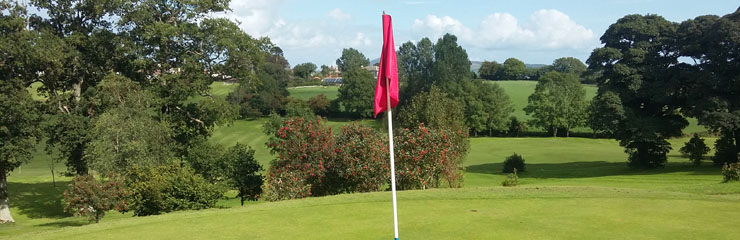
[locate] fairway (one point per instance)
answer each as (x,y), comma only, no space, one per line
(573,188)
(307,92)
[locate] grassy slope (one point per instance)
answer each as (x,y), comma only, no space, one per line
(305,93)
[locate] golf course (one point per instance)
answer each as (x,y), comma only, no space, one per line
(574,188)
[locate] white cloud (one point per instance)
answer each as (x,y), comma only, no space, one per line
(338,15)
(546,29)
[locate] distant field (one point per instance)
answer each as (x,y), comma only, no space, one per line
(305,93)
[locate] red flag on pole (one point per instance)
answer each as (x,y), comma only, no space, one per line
(388,71)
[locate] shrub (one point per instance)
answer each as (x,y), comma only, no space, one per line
(731,172)
(425,156)
(516,127)
(724,150)
(305,151)
(695,149)
(362,162)
(647,152)
(511,180)
(86,196)
(319,104)
(170,187)
(513,163)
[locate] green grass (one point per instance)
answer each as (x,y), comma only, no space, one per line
(573,188)
(305,93)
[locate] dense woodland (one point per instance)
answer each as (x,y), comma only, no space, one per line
(126,103)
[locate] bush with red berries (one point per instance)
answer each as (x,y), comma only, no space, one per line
(425,158)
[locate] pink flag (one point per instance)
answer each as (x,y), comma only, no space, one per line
(388,72)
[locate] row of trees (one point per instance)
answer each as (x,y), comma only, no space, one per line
(119,81)
(515,69)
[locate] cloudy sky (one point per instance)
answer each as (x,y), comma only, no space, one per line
(535,31)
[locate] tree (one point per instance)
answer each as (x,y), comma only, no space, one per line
(357,92)
(325,70)
(448,113)
(634,64)
(351,59)
(18,130)
(415,63)
(19,115)
(243,172)
(710,84)
(558,102)
(605,113)
(304,70)
(490,70)
(513,69)
(695,149)
(569,65)
(451,64)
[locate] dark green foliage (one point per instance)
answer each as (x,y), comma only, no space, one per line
(451,64)
(351,59)
(516,127)
(514,163)
(448,114)
(304,70)
(357,92)
(513,69)
(724,150)
(605,113)
(235,167)
(87,196)
(68,134)
(695,149)
(634,64)
(511,180)
(415,63)
(569,65)
(242,170)
(170,187)
(295,107)
(319,104)
(731,172)
(490,70)
(647,152)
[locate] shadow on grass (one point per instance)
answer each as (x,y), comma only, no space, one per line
(65,223)
(591,169)
(38,200)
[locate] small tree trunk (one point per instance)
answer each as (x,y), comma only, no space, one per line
(5,216)
(737,143)
(554,132)
(567,132)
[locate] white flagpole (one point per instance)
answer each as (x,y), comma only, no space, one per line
(393,165)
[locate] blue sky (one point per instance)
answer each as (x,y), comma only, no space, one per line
(536,31)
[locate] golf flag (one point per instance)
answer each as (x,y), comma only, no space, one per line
(388,71)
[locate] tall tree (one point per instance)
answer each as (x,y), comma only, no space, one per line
(513,69)
(19,115)
(634,64)
(711,82)
(415,63)
(351,59)
(357,92)
(605,113)
(558,102)
(451,63)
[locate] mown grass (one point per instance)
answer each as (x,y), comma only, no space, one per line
(305,93)
(574,188)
